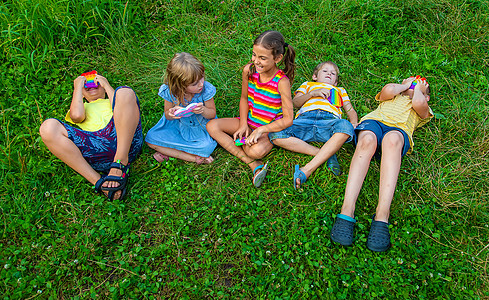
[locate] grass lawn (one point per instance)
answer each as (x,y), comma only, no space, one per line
(188,231)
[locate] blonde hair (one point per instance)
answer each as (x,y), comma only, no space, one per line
(182,70)
(335,66)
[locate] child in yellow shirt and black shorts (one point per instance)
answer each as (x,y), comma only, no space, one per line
(387,132)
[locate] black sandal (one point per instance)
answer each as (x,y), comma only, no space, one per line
(122,180)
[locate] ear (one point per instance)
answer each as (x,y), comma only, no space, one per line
(278,58)
(314,77)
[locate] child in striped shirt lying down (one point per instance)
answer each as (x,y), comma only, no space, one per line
(318,120)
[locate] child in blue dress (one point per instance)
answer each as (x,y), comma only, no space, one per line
(184,137)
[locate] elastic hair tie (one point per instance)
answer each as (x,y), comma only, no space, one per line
(286,45)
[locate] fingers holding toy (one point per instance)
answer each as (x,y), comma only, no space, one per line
(172,110)
(79,81)
(324,93)
(409,80)
(254,136)
(241,132)
(422,86)
(416,80)
(198,109)
(101,80)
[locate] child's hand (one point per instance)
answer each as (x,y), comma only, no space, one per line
(254,136)
(421,86)
(354,125)
(99,79)
(199,109)
(241,132)
(171,112)
(324,93)
(79,81)
(408,81)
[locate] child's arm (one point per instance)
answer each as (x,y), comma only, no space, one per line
(77,110)
(280,124)
(351,113)
(420,101)
(390,90)
(243,129)
(208,110)
(301,98)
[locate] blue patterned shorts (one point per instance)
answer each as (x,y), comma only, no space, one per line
(99,147)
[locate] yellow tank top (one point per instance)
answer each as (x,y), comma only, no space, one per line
(98,114)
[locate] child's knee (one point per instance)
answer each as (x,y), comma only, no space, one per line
(125,96)
(212,125)
(257,151)
(49,129)
(367,142)
(394,140)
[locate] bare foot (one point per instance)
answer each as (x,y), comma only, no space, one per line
(160,157)
(203,160)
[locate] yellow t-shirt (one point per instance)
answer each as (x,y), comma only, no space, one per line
(319,102)
(398,112)
(98,114)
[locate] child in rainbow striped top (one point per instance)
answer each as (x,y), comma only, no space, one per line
(265,105)
(318,120)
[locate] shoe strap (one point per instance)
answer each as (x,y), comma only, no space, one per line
(347,218)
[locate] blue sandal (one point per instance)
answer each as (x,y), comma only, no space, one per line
(333,165)
(342,231)
(379,238)
(298,174)
(259,176)
(122,180)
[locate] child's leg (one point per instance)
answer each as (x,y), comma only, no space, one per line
(296,145)
(327,150)
(260,149)
(366,147)
(181,154)
(390,165)
(126,120)
(55,137)
(222,131)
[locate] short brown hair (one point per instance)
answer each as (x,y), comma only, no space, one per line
(320,65)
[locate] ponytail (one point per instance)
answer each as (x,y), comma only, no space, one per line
(288,61)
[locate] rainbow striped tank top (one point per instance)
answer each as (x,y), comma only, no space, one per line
(264,100)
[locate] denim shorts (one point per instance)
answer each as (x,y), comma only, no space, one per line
(315,126)
(380,130)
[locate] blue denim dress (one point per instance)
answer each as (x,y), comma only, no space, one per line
(187,134)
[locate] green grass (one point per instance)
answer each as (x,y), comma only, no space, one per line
(203,231)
